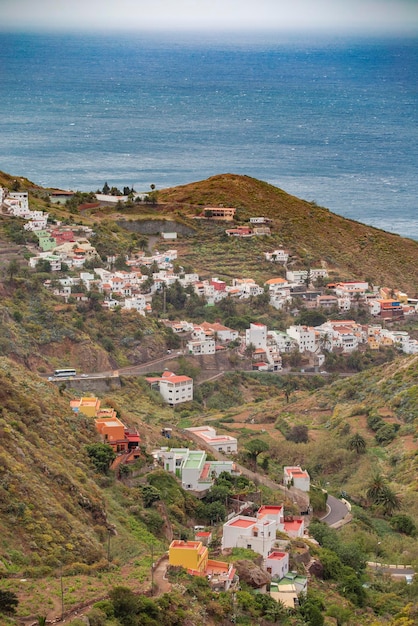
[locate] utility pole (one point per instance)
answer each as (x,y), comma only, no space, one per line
(108,545)
(152,568)
(62,593)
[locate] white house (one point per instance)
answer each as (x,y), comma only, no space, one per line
(201,347)
(277,564)
(222,333)
(256,335)
(247,287)
(248,532)
(297,476)
(254,533)
(221,443)
(304,336)
(174,389)
(298,277)
(192,468)
(277,256)
(53,260)
(259,220)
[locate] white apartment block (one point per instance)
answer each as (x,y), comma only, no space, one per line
(21,197)
(222,443)
(304,336)
(136,303)
(200,347)
(298,277)
(174,389)
(277,256)
(256,335)
(282,340)
(37,223)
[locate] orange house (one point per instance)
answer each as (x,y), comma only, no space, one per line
(114,433)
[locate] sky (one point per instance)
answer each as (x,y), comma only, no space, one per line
(323,16)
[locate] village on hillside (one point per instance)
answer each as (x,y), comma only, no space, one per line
(75,270)
(66,248)
(266,532)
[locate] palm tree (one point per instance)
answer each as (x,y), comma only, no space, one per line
(389,501)
(375,487)
(357,443)
(276,612)
(382,495)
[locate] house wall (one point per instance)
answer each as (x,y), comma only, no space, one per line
(277,567)
(175,393)
(189,554)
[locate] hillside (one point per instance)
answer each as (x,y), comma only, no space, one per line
(310,232)
(313,234)
(62,516)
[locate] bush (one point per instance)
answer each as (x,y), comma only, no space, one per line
(374,422)
(97,617)
(404,524)
(298,434)
(8,602)
(101,455)
(385,434)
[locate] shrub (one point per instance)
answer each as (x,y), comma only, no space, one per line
(298,434)
(8,602)
(404,524)
(385,434)
(374,422)
(101,455)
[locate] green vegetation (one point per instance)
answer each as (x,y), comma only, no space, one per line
(73,531)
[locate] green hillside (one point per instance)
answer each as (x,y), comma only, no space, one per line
(71,530)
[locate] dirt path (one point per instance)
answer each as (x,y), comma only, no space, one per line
(161,584)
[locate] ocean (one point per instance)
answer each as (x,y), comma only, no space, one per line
(332,121)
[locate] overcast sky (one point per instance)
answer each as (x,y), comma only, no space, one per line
(331,16)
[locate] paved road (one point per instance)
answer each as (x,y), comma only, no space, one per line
(337,511)
(397,571)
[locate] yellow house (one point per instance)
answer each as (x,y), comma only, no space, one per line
(373,343)
(192,555)
(88,406)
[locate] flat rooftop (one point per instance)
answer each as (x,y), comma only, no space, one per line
(269,510)
(277,555)
(242,523)
(294,525)
(185,545)
(194,460)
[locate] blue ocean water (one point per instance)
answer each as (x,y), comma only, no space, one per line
(334,121)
